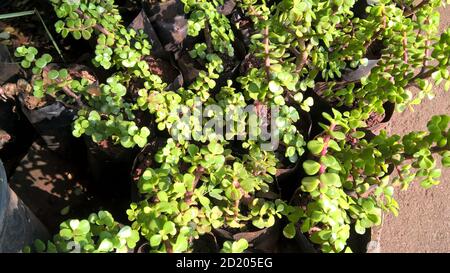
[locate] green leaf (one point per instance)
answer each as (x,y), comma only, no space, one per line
(239,246)
(74,224)
(29,57)
(310,183)
(446,162)
(66,233)
(162,196)
(47,57)
(330,162)
(311,167)
(53,74)
(204,201)
(41,63)
(331,179)
(155,240)
(86,34)
(181,244)
(125,232)
(65,210)
(63,73)
(84,226)
(105,218)
(275,88)
(188,180)
(359,228)
(140,141)
(106,245)
(76,34)
(290,151)
(289,231)
(25,64)
(40,245)
(338,135)
(315,147)
(358,134)
(279,100)
(215,148)
(132,130)
(169,228)
(145,132)
(333,145)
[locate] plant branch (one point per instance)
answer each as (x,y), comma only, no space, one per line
(168,246)
(427,55)
(96,26)
(366,194)
(324,151)
(266,42)
(70,93)
(405,48)
(303,57)
(416,8)
(422,75)
(208,37)
(198,174)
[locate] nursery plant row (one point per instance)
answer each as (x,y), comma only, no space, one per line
(233,126)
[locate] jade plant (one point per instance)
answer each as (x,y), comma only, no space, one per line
(348,179)
(100,233)
(205,177)
(196,189)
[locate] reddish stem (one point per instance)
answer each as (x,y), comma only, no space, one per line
(266,52)
(97,26)
(405,49)
(324,151)
(416,8)
(198,174)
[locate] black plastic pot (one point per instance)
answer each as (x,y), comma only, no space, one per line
(16,135)
(288,176)
(170,24)
(265,240)
(246,28)
(142,161)
(8,68)
(53,123)
(389,109)
(142,22)
(159,57)
(19,227)
(109,168)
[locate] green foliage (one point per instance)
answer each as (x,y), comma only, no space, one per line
(214,191)
(235,247)
(97,234)
(349,184)
(200,180)
(216,26)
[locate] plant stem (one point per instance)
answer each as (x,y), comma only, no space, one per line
(70,93)
(399,172)
(208,36)
(416,8)
(427,55)
(266,52)
(433,150)
(97,26)
(168,246)
(324,151)
(366,194)
(198,174)
(405,49)
(422,75)
(303,57)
